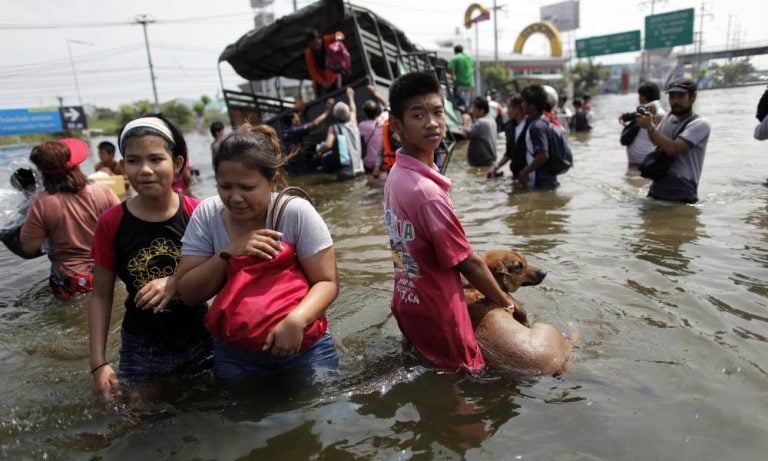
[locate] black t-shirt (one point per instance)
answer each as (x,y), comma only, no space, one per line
(145,251)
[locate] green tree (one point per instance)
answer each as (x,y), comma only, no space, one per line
(732,73)
(104,113)
(587,75)
(494,76)
(179,114)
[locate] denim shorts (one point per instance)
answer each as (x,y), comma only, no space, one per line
(233,362)
(145,363)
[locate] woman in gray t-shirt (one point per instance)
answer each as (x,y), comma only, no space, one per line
(230,236)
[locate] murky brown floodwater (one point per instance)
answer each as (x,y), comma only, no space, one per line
(671,301)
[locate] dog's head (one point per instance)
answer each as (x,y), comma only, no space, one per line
(511,270)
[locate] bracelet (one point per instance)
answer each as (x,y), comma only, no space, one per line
(511,307)
(93,370)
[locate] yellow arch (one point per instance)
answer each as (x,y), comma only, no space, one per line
(546,28)
(468,20)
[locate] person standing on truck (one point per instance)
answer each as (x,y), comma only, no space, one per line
(324,80)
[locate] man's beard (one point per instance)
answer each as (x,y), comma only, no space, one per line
(681,111)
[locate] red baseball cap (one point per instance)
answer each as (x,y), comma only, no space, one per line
(78,151)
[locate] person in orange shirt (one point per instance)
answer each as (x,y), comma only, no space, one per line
(324,80)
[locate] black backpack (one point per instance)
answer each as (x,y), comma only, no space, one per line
(560,155)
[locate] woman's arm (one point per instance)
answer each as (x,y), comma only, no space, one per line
(323,277)
(199,278)
(105,381)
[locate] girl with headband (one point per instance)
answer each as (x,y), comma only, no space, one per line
(139,241)
(65,214)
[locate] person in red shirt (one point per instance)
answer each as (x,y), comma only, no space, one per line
(429,247)
(324,80)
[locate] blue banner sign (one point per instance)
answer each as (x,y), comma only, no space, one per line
(23,121)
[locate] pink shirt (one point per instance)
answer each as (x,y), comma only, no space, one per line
(427,242)
(370,133)
(69,222)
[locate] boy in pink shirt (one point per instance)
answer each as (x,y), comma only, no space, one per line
(429,247)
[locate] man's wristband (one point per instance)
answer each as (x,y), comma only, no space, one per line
(94,369)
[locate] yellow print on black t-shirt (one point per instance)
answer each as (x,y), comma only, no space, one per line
(156,261)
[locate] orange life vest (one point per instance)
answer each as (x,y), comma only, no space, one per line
(387,146)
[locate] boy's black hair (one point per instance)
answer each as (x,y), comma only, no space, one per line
(578,103)
(649,90)
(216,127)
(536,96)
(481,103)
(458,49)
(409,85)
(107,146)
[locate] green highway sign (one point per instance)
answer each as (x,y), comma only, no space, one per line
(669,29)
(608,44)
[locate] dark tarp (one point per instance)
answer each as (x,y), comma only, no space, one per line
(278,49)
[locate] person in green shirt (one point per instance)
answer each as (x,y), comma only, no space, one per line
(462,66)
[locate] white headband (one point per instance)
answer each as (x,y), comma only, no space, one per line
(146,122)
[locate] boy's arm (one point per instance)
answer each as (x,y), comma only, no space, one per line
(476,271)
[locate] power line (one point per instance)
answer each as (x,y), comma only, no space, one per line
(72,25)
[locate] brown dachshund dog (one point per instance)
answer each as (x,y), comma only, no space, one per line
(505,339)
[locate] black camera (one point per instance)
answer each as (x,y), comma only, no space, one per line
(631,116)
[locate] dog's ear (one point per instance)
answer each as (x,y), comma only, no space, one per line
(495,262)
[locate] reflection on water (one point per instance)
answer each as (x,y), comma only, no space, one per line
(663,230)
(670,300)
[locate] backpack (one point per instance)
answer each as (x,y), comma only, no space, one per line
(629,133)
(342,157)
(560,154)
(337,57)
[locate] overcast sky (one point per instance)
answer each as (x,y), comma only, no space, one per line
(110,58)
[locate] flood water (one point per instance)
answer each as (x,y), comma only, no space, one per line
(671,302)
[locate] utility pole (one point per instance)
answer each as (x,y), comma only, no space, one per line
(495,35)
(72,63)
(145,19)
(699,41)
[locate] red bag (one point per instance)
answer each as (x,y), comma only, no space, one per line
(259,294)
(337,57)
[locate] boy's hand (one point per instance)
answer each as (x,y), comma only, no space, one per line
(350,92)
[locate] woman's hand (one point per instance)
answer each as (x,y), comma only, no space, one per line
(285,339)
(105,383)
(156,294)
(264,243)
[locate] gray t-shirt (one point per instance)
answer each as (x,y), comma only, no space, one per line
(688,165)
(482,142)
(300,224)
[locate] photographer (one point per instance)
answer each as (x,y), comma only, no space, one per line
(648,95)
(682,135)
(761,130)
